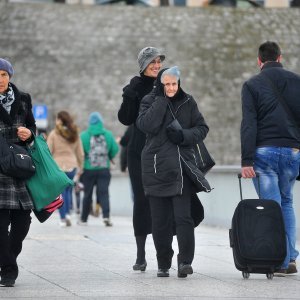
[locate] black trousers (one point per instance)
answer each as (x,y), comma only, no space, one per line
(141,208)
(100,179)
(11,240)
(168,212)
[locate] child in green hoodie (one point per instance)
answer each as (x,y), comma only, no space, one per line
(100,147)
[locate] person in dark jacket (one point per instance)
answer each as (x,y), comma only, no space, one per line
(17,125)
(150,62)
(270,141)
(165,180)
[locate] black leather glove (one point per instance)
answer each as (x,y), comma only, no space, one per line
(175,135)
(129,92)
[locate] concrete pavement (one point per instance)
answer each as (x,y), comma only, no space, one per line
(95,262)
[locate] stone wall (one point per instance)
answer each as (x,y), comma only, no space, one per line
(79,57)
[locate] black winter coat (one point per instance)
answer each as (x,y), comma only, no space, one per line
(13,193)
(133,94)
(265,122)
(161,159)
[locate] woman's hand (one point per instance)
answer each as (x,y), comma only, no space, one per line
(23,133)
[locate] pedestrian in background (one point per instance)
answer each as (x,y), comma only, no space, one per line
(66,147)
(100,147)
(270,142)
(150,62)
(17,125)
(166,182)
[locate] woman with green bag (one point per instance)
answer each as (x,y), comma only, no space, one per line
(16,126)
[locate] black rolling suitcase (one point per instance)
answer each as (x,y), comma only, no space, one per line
(257,236)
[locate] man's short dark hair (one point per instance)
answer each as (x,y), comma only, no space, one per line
(269,51)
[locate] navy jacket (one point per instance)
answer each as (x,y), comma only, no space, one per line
(265,122)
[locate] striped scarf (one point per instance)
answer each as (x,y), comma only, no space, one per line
(7,99)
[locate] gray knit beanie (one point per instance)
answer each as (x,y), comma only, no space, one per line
(146,55)
(5,65)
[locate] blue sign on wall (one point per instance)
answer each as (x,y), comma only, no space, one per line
(40,113)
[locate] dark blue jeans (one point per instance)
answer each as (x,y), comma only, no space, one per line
(100,179)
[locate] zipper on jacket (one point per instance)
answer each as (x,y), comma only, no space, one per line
(22,156)
(180,169)
(155,163)
(181,105)
(195,159)
(200,154)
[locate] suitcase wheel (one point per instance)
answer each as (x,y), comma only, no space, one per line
(245,274)
(270,275)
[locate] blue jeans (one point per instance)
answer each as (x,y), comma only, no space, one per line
(67,196)
(278,168)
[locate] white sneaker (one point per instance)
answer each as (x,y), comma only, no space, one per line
(107,222)
(81,223)
(68,220)
(63,223)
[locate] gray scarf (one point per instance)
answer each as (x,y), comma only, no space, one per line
(7,99)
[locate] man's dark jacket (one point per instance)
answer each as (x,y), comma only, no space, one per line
(265,122)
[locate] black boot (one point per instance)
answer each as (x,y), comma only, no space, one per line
(9,275)
(140,264)
(184,270)
(163,273)
(140,267)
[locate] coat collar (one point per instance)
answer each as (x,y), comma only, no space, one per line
(4,115)
(272,64)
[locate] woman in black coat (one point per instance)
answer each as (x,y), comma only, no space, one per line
(166,163)
(149,60)
(16,125)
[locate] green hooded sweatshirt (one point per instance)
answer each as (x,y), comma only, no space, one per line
(95,130)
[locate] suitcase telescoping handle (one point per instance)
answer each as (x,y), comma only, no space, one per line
(240,184)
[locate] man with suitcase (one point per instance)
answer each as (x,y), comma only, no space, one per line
(270,138)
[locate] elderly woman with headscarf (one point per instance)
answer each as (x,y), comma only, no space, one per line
(17,125)
(150,62)
(173,124)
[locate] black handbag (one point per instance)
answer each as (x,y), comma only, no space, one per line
(15,160)
(204,160)
(286,108)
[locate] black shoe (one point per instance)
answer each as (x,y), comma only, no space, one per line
(184,270)
(140,267)
(163,273)
(8,282)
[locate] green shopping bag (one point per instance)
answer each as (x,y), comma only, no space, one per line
(49,180)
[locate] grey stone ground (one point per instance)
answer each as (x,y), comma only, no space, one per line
(95,262)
